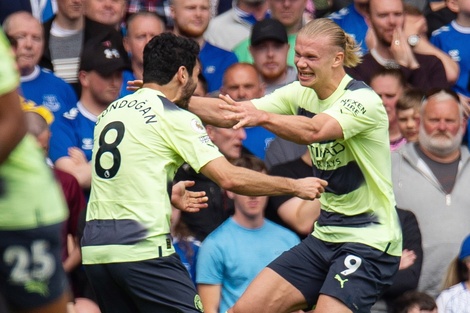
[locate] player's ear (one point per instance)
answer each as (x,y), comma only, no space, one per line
(182,75)
(210,131)
(83,78)
(339,58)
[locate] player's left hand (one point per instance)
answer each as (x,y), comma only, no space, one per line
(185,200)
(245,113)
(134,85)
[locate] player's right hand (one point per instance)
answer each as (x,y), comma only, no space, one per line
(310,188)
(243,113)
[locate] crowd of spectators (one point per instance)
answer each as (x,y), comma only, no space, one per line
(75,57)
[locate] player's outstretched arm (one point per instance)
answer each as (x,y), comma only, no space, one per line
(251,183)
(299,129)
(185,200)
(209,111)
(206,108)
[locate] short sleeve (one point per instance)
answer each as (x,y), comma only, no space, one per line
(286,100)
(209,267)
(9,76)
(187,136)
(358,112)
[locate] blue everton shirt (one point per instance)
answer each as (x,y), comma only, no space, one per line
(44,88)
(73,129)
(352,23)
(126,77)
(454,39)
(214,62)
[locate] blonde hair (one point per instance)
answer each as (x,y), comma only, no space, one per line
(457,272)
(324,27)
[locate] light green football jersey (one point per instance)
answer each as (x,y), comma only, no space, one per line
(30,197)
(9,76)
(139,143)
(243,54)
(358,204)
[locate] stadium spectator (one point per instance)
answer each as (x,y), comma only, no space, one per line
(65,35)
(392,49)
(230,28)
(41,10)
(191,19)
(352,19)
(453,39)
(100,76)
(107,12)
(141,27)
(415,29)
(291,14)
(291,212)
(242,81)
(226,263)
(455,298)
(37,84)
(407,110)
(269,48)
(441,17)
(430,178)
(389,85)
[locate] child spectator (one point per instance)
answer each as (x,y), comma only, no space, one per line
(407,111)
(455,298)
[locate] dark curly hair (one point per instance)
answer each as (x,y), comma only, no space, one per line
(164,54)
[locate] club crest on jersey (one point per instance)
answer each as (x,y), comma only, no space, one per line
(197,126)
(198,303)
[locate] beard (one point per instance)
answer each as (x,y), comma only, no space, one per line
(186,94)
(273,75)
(441,144)
(192,33)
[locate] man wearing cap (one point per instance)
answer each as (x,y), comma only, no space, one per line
(269,48)
(100,77)
(65,36)
(290,14)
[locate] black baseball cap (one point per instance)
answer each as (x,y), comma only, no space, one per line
(268,29)
(102,57)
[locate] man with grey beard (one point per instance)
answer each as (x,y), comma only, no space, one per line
(432,179)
